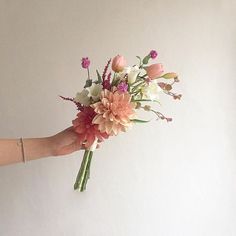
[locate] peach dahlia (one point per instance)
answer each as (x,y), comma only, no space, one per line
(115,112)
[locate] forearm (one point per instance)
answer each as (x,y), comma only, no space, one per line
(63,143)
(11,150)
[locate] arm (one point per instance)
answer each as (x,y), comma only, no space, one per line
(62,143)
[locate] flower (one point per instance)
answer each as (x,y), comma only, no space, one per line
(151,90)
(122,87)
(95,91)
(171,75)
(153,54)
(86,130)
(118,63)
(115,112)
(106,84)
(85,62)
(131,72)
(154,71)
(83,97)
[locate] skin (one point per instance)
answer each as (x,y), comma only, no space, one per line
(62,143)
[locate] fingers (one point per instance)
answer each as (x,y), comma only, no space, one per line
(70,148)
(70,128)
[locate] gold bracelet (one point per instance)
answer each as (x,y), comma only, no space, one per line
(22,149)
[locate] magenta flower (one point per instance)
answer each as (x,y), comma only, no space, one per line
(106,84)
(85,62)
(153,54)
(122,87)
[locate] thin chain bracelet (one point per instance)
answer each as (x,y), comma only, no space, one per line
(22,149)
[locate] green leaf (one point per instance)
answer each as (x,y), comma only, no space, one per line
(115,82)
(146,59)
(140,60)
(140,121)
(88,83)
(99,77)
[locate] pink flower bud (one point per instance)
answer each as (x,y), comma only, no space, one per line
(118,63)
(85,62)
(171,75)
(162,85)
(154,71)
(153,54)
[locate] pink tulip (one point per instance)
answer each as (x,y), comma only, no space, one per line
(154,71)
(118,63)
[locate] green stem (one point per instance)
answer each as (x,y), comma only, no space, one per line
(137,85)
(88,74)
(88,168)
(84,172)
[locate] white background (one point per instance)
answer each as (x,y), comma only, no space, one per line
(167,179)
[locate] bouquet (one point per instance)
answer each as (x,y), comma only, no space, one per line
(108,105)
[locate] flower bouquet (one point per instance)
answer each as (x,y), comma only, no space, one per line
(108,104)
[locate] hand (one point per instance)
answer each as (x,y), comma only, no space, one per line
(65,142)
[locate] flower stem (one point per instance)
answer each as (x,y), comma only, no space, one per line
(88,74)
(84,172)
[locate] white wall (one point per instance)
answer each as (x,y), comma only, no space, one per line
(175,179)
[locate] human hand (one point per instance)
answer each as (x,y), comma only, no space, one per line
(65,142)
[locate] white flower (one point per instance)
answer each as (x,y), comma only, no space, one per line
(95,91)
(131,72)
(151,91)
(83,97)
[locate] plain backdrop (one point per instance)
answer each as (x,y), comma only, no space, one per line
(167,179)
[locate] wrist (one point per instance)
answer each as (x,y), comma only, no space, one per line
(51,145)
(35,148)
